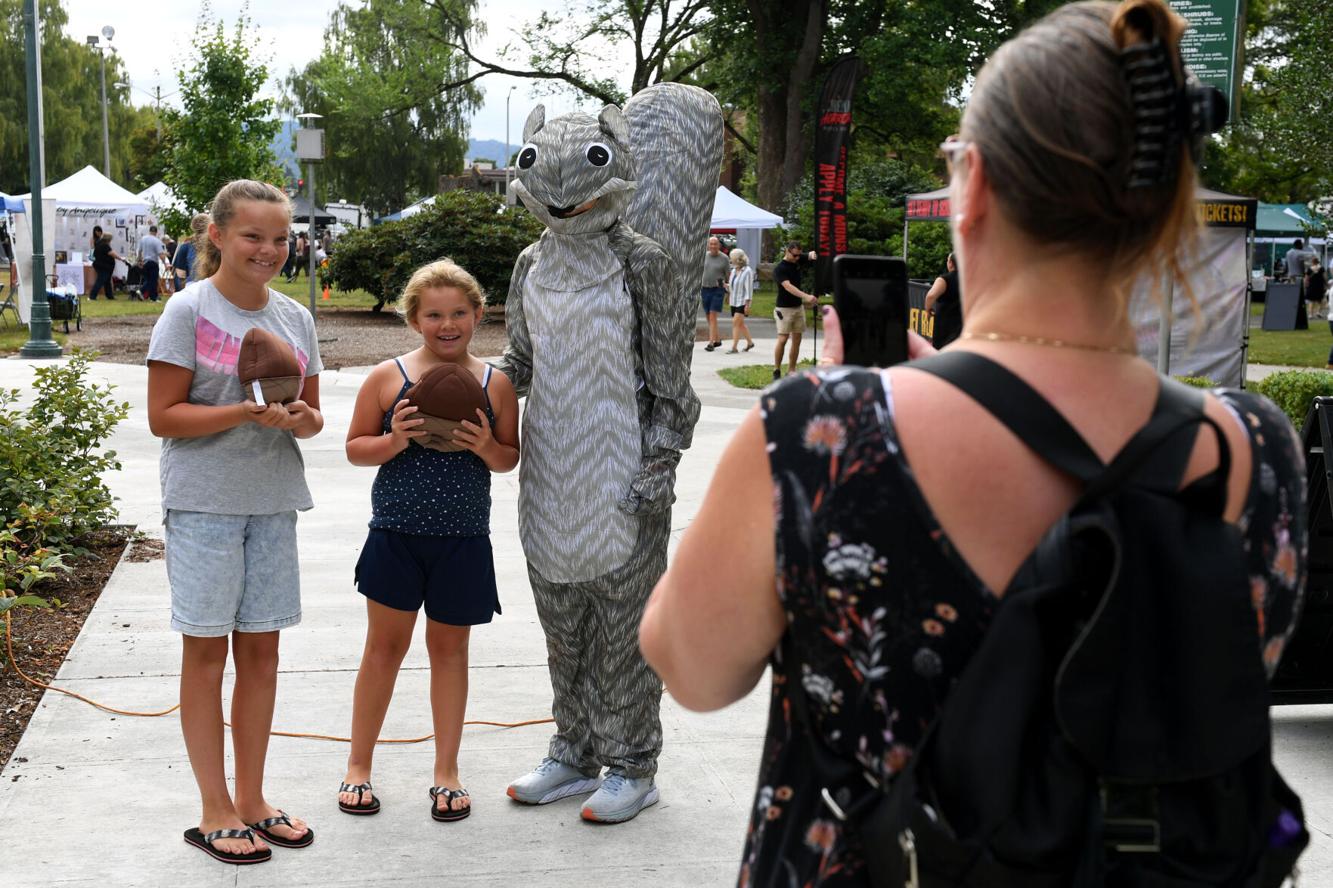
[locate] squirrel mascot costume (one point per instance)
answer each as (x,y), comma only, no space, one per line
(601,319)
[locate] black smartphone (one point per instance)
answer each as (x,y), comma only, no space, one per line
(870,294)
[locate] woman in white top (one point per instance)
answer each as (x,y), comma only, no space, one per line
(740,286)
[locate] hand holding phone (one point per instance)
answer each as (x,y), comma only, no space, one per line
(870,295)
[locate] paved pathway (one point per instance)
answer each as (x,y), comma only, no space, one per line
(94,799)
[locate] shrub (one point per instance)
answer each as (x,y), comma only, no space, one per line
(51,468)
(1294,390)
(1202,382)
(472,228)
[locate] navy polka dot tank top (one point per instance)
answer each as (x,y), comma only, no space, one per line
(428,492)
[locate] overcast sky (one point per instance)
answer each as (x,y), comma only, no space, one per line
(153,45)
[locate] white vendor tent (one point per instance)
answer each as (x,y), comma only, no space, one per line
(409,211)
(159,197)
(82,201)
(733,213)
(88,189)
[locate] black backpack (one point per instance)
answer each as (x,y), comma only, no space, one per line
(1111,730)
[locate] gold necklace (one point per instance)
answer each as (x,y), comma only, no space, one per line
(1041,340)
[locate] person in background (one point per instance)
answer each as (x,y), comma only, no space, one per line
(1296,259)
(182,263)
(1313,283)
(944,302)
(289,265)
(789,309)
(850,527)
(153,252)
(95,239)
(740,290)
(104,264)
(712,289)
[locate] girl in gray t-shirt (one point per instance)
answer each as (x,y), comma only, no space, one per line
(232,483)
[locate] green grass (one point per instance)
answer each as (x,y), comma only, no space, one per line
(1292,348)
(120,307)
(13,338)
(754,376)
(300,291)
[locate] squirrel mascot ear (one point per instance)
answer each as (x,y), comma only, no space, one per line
(536,120)
(613,123)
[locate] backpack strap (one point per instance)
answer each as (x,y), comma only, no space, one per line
(1015,404)
(1152,458)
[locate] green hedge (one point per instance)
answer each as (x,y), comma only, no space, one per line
(1294,390)
(471,228)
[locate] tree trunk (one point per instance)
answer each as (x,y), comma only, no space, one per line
(784,138)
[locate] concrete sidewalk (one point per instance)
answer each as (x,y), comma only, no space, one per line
(96,799)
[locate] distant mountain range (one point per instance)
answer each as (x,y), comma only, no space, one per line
(284,148)
(488,149)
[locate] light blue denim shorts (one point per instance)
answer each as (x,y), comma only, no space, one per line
(232,572)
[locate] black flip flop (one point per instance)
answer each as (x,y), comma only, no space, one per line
(372,807)
(205,844)
(450,815)
(262,827)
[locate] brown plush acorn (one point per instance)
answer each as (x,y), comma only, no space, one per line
(267,366)
(445,396)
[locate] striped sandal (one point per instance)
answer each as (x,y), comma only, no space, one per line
(205,844)
(451,795)
(263,826)
(361,806)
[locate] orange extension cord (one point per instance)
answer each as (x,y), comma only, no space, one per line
(9,649)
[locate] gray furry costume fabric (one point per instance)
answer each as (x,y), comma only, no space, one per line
(601,318)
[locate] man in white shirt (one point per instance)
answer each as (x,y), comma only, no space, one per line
(153,251)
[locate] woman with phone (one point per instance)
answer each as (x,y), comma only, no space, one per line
(867,522)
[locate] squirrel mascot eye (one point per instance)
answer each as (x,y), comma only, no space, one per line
(527,157)
(598,155)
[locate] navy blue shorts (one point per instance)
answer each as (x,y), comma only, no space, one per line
(711,298)
(453,576)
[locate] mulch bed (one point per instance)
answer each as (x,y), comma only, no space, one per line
(348,337)
(42,637)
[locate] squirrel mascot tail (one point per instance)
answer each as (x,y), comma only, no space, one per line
(676,132)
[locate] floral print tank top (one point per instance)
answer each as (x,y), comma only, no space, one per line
(883,614)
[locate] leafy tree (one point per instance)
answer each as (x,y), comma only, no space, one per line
(71,101)
(1280,148)
(472,228)
(570,47)
(223,129)
(391,130)
(150,149)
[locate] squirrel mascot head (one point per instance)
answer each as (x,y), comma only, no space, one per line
(575,172)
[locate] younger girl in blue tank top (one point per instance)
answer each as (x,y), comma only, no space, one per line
(429,539)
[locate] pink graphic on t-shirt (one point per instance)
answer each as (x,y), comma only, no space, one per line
(218,351)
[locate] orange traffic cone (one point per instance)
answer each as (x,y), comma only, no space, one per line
(326,292)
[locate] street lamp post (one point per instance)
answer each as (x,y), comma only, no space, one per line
(108,32)
(39,344)
(310,148)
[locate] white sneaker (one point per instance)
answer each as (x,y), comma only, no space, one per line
(621,798)
(551,781)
